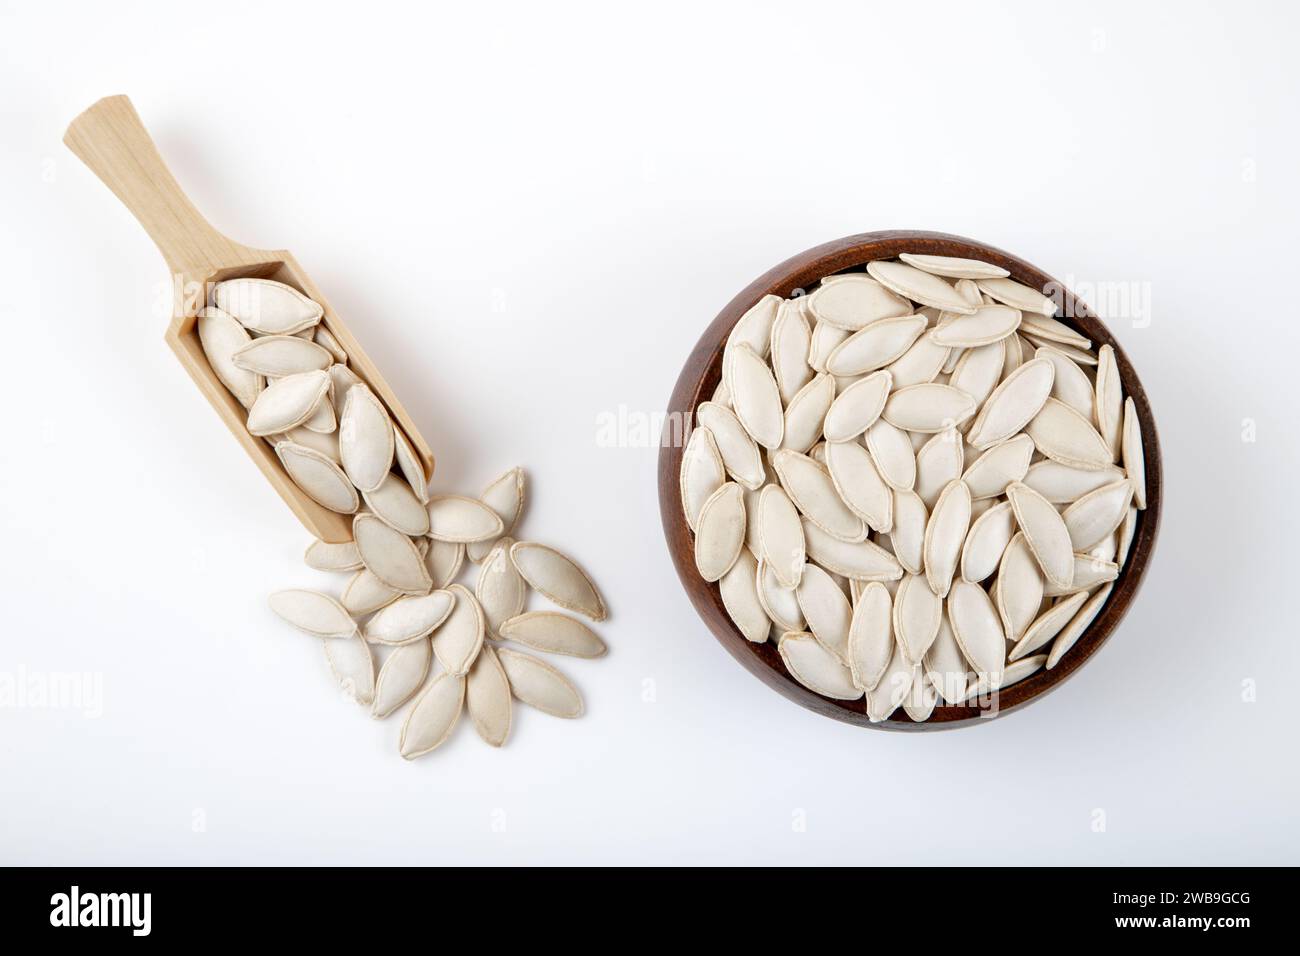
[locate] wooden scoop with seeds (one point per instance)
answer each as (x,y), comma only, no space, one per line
(111,140)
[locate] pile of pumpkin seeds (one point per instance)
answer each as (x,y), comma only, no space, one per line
(441,643)
(915,481)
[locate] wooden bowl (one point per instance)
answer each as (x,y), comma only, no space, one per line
(700,377)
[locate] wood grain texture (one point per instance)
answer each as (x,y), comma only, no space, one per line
(703,371)
(110,138)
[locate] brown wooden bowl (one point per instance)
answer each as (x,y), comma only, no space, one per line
(703,371)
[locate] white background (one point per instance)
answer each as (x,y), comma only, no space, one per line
(528,213)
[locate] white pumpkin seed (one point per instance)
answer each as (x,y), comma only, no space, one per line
(366,442)
(871,635)
(353,667)
(908,533)
(806,414)
(859,484)
(1109,401)
(810,487)
(1071,384)
(857,407)
(939,461)
(826,338)
(928,408)
(999,465)
(740,455)
(739,590)
(854,301)
(1013,404)
(315,613)
(917,610)
(891,450)
(558,578)
(504,495)
(986,325)
(458,518)
(390,555)
(1047,625)
(342,379)
(954,267)
(322,419)
(279,355)
(921,698)
(460,637)
(558,633)
(1019,588)
(1126,533)
(780,535)
(1018,296)
(365,594)
(221,337)
(702,473)
(410,618)
(1045,533)
(318,476)
(1078,624)
(1078,356)
(1064,484)
(500,590)
(1134,459)
(540,685)
(976,627)
(1063,435)
(326,340)
(817,668)
(1011,674)
(875,346)
(1090,572)
(444,560)
(856,560)
(403,673)
(779,601)
(826,609)
(1044,330)
(944,534)
(1097,515)
(756,398)
(324,556)
(892,689)
(326,444)
(945,664)
(266,306)
(918,286)
(408,463)
(287,403)
(989,536)
(920,364)
(791,343)
(396,504)
(487,697)
(753,329)
(433,717)
(979,371)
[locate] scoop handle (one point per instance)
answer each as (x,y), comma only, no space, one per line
(110,139)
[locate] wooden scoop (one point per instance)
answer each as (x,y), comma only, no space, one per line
(111,140)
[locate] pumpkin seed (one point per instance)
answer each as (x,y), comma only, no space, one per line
(938,462)
(908,533)
(322,419)
(813,492)
(326,340)
(560,634)
(444,561)
(999,465)
(1047,625)
(1063,435)
(893,687)
(287,403)
(403,673)
(1071,384)
(807,413)
(917,610)
(944,534)
(324,556)
(1097,515)
(462,519)
(1045,533)
(390,555)
(408,463)
(781,536)
(875,346)
(1109,398)
(1011,674)
(920,364)
(266,306)
(1019,588)
(791,343)
(817,668)
(860,485)
(921,698)
(365,594)
(326,444)
(987,541)
(857,407)
(779,601)
(366,442)
(756,398)
(891,450)
(754,328)
(540,685)
(1064,484)
(1044,330)
(342,379)
(315,613)
(487,696)
(410,618)
(826,609)
(918,286)
(221,337)
(702,473)
(1078,624)
(558,578)
(871,636)
(1126,532)
(353,667)
(826,338)
(854,301)
(1018,296)
(430,722)
(318,476)
(979,370)
(460,637)
(1090,572)
(954,267)
(739,590)
(396,504)
(928,408)
(740,455)
(986,325)
(504,495)
(500,590)
(1134,460)
(279,355)
(945,664)
(856,560)
(1013,404)
(976,627)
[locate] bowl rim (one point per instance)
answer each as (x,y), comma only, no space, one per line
(700,376)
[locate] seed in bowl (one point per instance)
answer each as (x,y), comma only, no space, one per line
(911,479)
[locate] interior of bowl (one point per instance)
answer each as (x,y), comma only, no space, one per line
(701,375)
